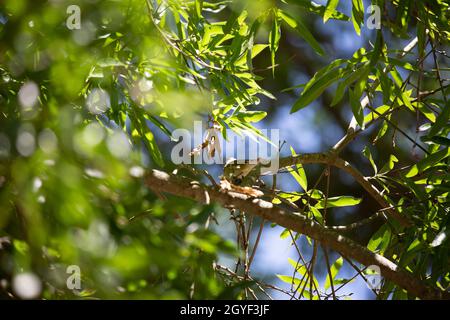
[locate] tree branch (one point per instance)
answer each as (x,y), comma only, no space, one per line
(332,160)
(163,182)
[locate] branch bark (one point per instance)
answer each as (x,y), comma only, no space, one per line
(163,182)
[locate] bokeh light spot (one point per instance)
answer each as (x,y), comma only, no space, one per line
(98,101)
(26,143)
(28,95)
(118,144)
(47,141)
(27,285)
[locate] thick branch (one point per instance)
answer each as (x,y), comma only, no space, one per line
(332,160)
(163,182)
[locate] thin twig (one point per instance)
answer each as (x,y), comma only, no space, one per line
(325,251)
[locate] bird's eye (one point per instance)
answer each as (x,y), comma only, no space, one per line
(237,181)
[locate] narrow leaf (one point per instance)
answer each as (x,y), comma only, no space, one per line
(330,9)
(299,174)
(342,201)
(428,162)
(311,93)
(298,25)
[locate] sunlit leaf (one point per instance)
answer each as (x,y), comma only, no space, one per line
(334,270)
(427,162)
(342,201)
(357,15)
(299,173)
(330,9)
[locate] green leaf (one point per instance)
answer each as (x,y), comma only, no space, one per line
(330,9)
(357,15)
(380,240)
(148,138)
(153,148)
(290,280)
(290,196)
(360,72)
(302,85)
(421,36)
(257,49)
(441,120)
(437,139)
(406,100)
(416,244)
(274,40)
(368,155)
(299,173)
(397,77)
(342,201)
(198,7)
(360,85)
(284,234)
(377,50)
(251,116)
(401,63)
(21,247)
(298,25)
(428,162)
(316,87)
(403,14)
(356,107)
(325,70)
(384,128)
(390,164)
(160,125)
(318,9)
(316,213)
(298,267)
(426,112)
(334,270)
(375,115)
(315,194)
(386,85)
(108,41)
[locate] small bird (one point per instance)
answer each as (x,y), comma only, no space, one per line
(242,172)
